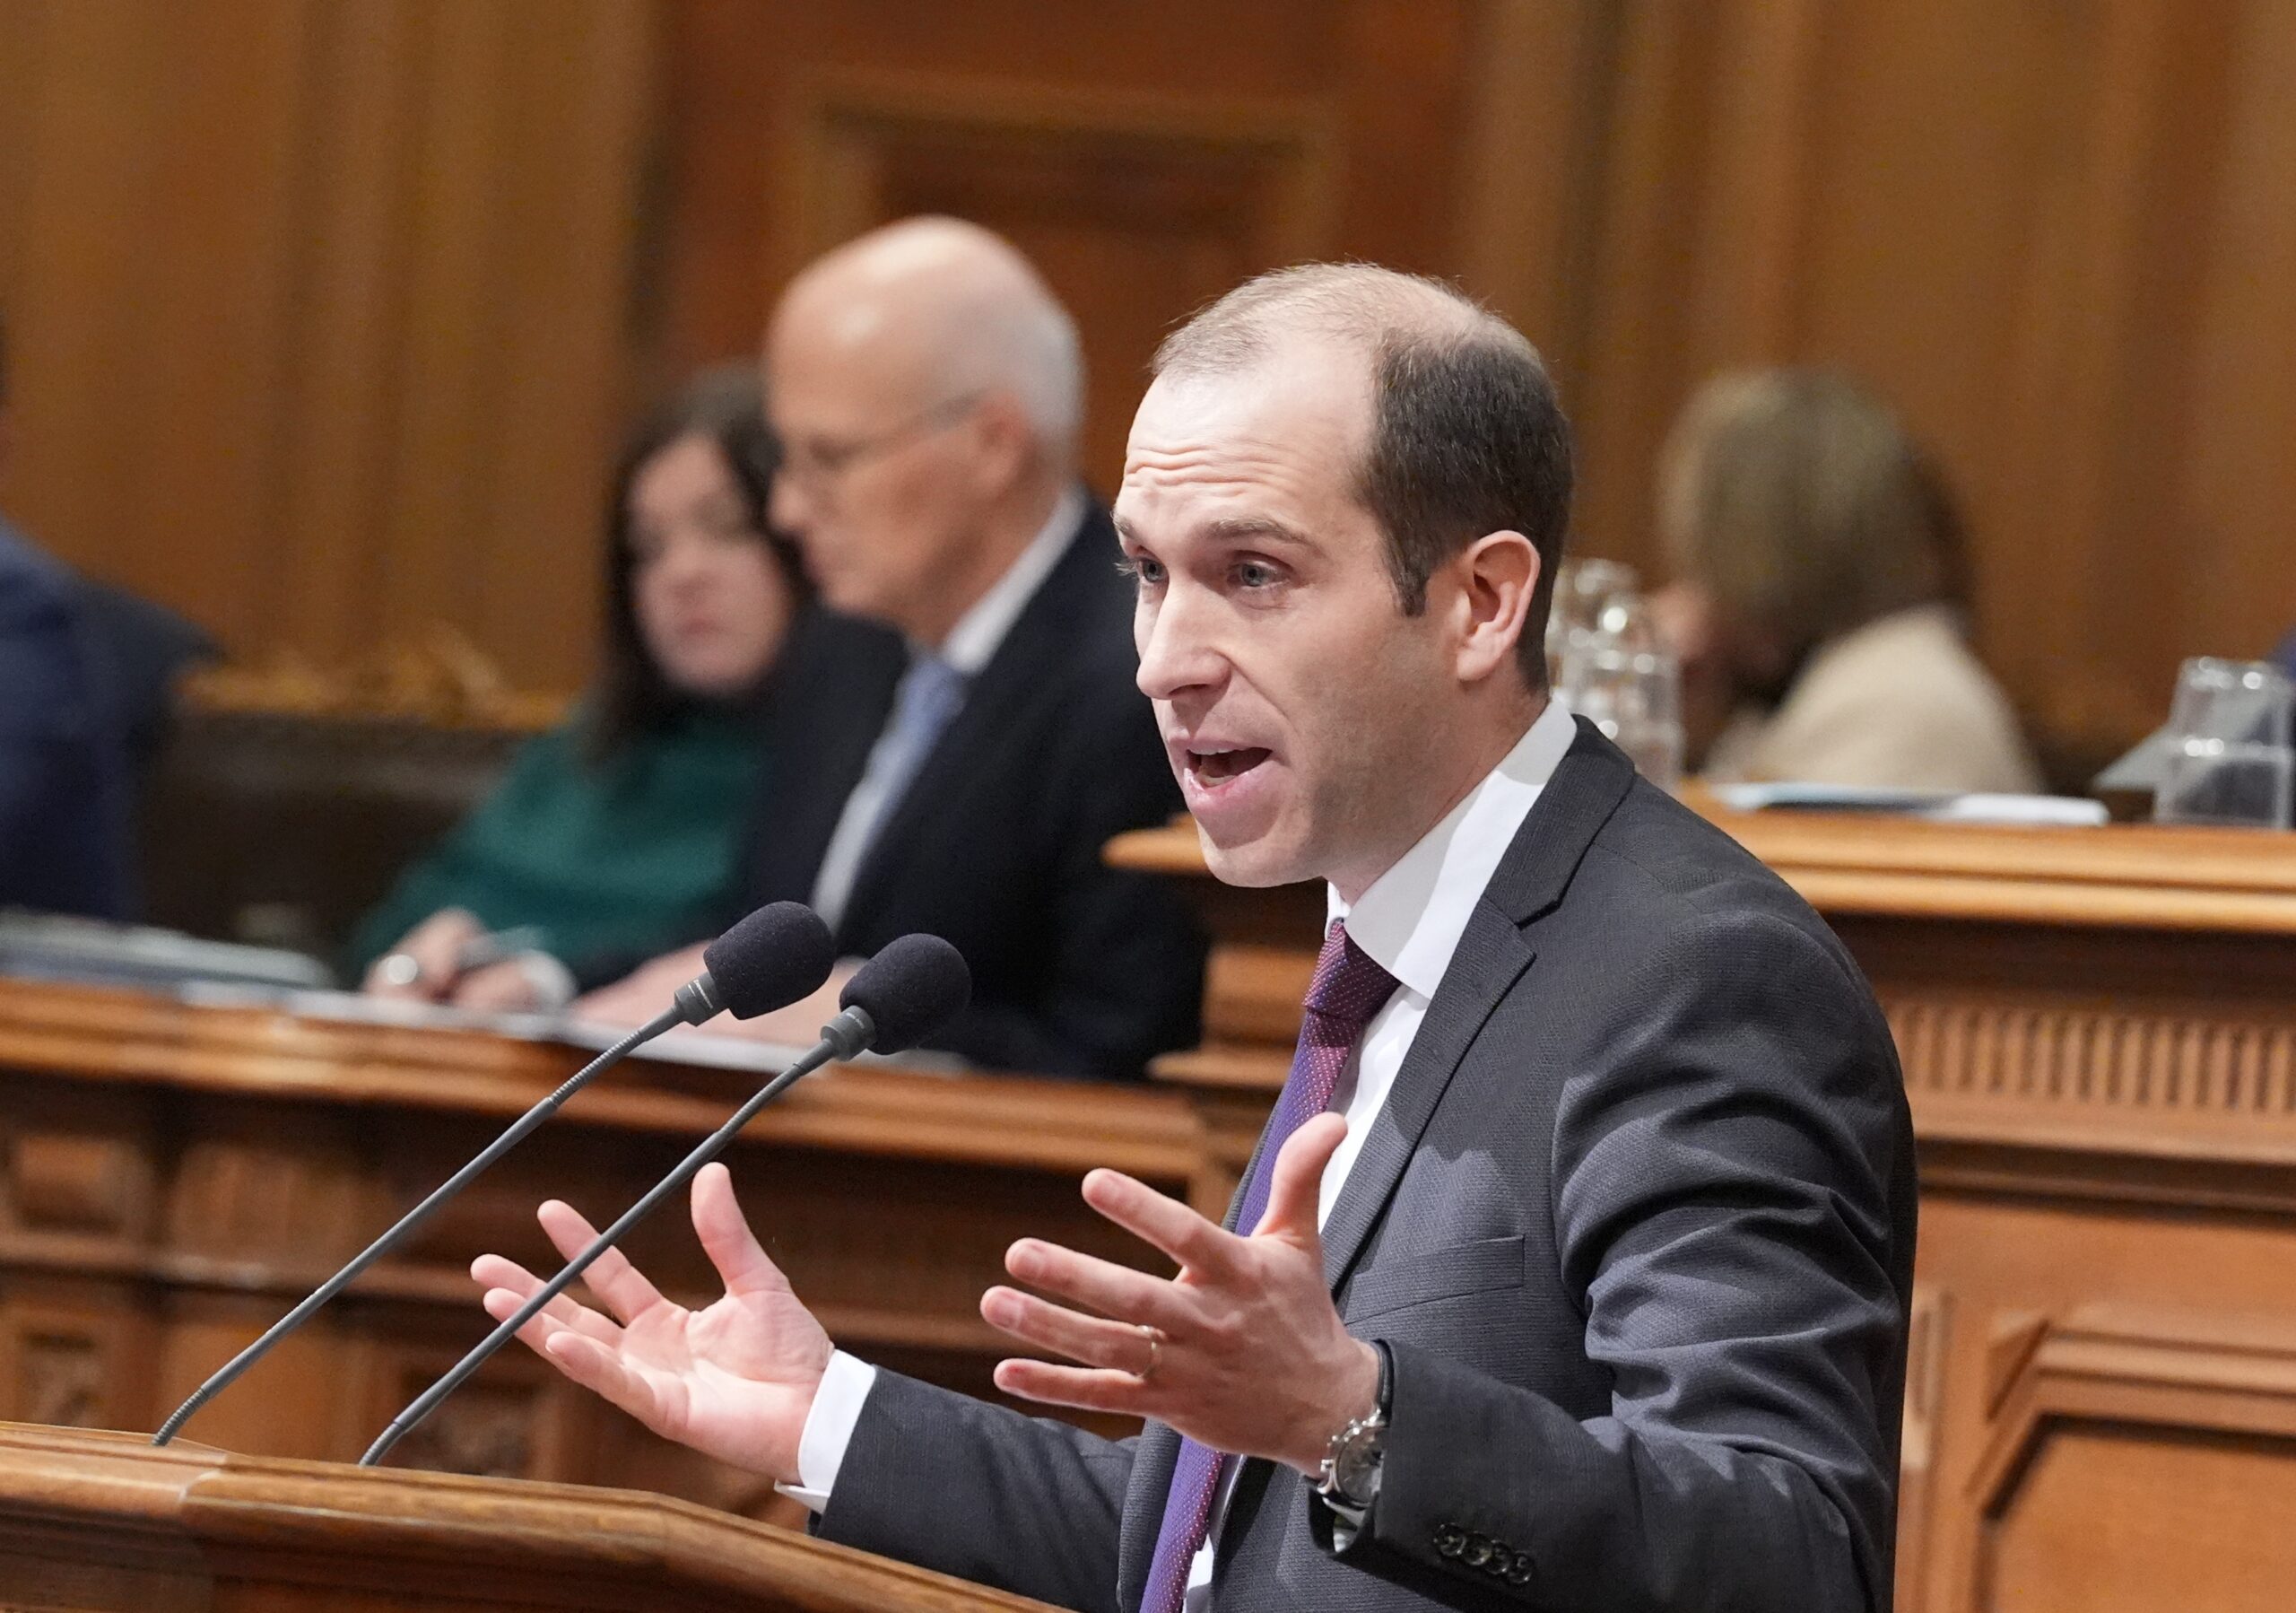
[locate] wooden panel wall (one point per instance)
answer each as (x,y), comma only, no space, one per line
(2057,234)
(327,312)
(1147,157)
(320,310)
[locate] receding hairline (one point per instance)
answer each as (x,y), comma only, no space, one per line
(1373,309)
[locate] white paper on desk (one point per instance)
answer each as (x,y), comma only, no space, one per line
(1936,806)
(356,1007)
(682,1044)
(687,1044)
(2061,812)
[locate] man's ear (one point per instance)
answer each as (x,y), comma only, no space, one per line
(1004,441)
(1496,577)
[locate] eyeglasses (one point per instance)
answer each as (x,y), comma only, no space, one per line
(821,462)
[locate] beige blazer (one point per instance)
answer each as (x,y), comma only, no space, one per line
(1900,702)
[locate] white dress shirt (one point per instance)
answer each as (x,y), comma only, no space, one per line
(970,646)
(1409,922)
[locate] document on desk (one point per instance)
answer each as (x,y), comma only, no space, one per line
(686,1044)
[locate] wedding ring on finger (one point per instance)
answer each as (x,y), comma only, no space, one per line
(1155,1338)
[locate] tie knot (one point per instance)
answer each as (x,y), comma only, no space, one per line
(1348,990)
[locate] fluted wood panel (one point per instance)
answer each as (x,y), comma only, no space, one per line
(320,310)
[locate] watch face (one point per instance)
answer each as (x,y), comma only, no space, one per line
(1356,1474)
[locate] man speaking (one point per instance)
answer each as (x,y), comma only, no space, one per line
(1572,1269)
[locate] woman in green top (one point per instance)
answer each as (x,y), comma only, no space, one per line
(616,835)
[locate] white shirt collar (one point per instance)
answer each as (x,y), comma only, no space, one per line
(973,642)
(1411,919)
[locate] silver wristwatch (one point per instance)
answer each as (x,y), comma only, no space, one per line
(1348,1478)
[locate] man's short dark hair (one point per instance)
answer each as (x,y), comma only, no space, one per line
(1467,437)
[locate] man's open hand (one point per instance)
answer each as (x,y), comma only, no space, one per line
(1248,1353)
(735,1381)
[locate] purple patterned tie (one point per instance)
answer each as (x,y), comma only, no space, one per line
(1348,989)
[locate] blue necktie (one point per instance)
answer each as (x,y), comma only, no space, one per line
(931,693)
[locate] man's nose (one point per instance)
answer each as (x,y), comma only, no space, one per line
(791,507)
(1177,648)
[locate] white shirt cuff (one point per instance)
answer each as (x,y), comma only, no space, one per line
(828,1430)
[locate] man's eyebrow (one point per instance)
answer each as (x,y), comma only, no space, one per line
(1233,529)
(1255,529)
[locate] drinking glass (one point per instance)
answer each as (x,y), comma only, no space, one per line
(1619,675)
(2230,759)
(1583,591)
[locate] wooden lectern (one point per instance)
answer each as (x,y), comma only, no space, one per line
(105,1523)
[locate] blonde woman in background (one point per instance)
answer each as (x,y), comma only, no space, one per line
(1817,602)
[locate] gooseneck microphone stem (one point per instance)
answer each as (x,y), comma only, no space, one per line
(850,1032)
(415,1217)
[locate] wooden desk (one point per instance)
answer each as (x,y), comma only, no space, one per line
(172,1179)
(2098,1034)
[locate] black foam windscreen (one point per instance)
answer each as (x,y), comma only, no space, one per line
(908,990)
(778,954)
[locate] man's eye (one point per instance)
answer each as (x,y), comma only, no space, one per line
(1142,568)
(1255,574)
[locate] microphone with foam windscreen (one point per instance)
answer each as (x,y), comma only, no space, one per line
(896,1000)
(778,955)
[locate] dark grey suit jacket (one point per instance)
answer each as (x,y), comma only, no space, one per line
(1078,968)
(1637,1222)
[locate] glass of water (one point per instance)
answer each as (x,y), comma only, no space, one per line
(2232,756)
(1619,675)
(1583,591)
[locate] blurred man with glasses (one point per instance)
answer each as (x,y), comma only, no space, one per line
(927,388)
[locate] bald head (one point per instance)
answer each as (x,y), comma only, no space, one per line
(926,389)
(946,310)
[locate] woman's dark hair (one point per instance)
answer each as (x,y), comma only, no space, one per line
(726,405)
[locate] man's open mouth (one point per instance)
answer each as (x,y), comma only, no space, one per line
(1217,767)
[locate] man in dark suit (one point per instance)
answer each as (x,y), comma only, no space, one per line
(1572,1272)
(64,774)
(961,773)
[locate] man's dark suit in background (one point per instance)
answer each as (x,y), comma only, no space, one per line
(997,842)
(65,811)
(1637,1223)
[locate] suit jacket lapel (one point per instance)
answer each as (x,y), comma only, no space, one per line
(1491,958)
(1593,777)
(1153,1460)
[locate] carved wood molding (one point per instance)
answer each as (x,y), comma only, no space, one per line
(2176,1375)
(1929,1348)
(60,1379)
(68,1183)
(852,124)
(88,1034)
(2123,1400)
(2099,1075)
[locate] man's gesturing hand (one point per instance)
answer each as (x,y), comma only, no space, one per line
(734,1381)
(1249,1354)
